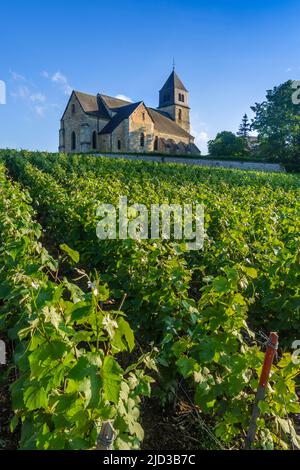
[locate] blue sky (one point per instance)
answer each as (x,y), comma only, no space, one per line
(227,53)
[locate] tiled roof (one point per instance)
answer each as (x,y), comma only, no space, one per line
(122,113)
(174,82)
(88,102)
(166,125)
(112,102)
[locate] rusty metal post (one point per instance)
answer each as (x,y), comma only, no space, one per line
(272,346)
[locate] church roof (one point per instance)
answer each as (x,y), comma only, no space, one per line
(88,102)
(173,82)
(112,102)
(123,109)
(122,113)
(165,125)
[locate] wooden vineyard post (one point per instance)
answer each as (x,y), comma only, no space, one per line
(106,436)
(272,346)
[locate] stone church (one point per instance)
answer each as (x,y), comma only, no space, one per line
(105,124)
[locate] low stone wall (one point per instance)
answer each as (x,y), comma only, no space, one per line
(256,166)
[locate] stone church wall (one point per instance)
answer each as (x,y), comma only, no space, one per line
(120,134)
(163,138)
(140,122)
(82,124)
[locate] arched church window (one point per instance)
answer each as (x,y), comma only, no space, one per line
(180,115)
(73,141)
(156,143)
(94,140)
(73,109)
(119,145)
(142,139)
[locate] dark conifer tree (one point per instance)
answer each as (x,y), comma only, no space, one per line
(245,127)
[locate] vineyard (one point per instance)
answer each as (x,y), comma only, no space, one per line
(99,328)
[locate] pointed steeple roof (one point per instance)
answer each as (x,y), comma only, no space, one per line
(173,82)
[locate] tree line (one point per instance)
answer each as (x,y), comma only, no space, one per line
(276,123)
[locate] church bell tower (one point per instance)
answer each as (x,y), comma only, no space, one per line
(174,100)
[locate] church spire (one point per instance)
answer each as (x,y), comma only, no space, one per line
(169,93)
(174,100)
(173,82)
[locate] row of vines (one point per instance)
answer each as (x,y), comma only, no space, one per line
(66,342)
(201,309)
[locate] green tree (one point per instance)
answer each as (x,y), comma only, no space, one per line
(245,127)
(227,144)
(277,120)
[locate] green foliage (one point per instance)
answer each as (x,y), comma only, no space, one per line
(227,143)
(277,120)
(245,127)
(198,307)
(74,255)
(224,369)
(66,344)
